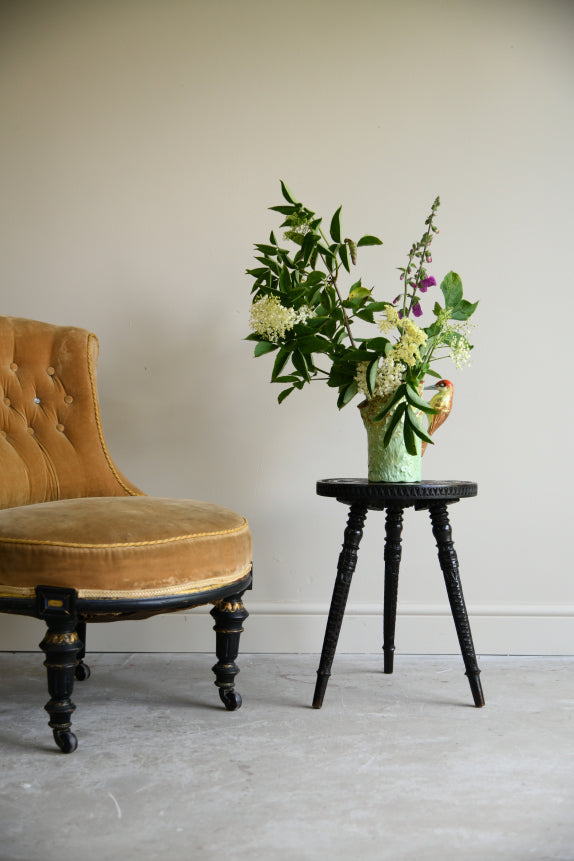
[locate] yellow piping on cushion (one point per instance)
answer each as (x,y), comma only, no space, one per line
(35,542)
(128,594)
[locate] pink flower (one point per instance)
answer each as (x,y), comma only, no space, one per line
(426,283)
(417,310)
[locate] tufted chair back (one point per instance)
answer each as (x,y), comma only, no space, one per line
(51,441)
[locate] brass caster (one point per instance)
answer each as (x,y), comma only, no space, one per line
(230,699)
(66,740)
(82,672)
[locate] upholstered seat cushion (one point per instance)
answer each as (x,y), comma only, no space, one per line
(128,547)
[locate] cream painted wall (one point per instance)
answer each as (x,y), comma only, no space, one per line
(142,143)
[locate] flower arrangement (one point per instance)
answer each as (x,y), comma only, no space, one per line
(301,312)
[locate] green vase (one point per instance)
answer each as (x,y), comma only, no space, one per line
(392,463)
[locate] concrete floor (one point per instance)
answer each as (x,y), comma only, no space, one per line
(392,767)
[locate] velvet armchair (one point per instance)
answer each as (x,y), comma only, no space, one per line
(79,543)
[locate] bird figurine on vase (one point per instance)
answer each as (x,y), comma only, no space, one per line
(442,402)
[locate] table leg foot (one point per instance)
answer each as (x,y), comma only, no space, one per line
(320,688)
(476,688)
(389,660)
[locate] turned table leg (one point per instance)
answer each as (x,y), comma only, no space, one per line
(394,528)
(345,570)
(449,565)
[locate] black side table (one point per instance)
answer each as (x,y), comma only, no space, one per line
(361,496)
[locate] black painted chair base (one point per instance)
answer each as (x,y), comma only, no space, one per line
(362,496)
(64,643)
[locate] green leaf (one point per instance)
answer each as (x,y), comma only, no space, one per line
(366,315)
(416,426)
(451,288)
(372,369)
(284,394)
(368,240)
(352,250)
(416,401)
(309,241)
(280,362)
(315,277)
(284,280)
(347,394)
(344,255)
(396,417)
(287,378)
(335,228)
(464,310)
(286,193)
(284,210)
(267,249)
(359,292)
(300,364)
(398,395)
(409,437)
(264,347)
(434,373)
(378,344)
(378,306)
(270,264)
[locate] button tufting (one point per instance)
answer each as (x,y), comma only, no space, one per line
(68,399)
(7,401)
(13,366)
(3,434)
(36,400)
(30,430)
(50,371)
(60,428)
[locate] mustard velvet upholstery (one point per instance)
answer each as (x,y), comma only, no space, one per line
(70,520)
(51,440)
(117,547)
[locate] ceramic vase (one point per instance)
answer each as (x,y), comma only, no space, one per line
(392,463)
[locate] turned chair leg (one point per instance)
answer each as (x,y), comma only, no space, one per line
(449,565)
(229,615)
(82,672)
(61,645)
(345,570)
(392,555)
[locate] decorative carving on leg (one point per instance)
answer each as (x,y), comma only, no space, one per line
(61,645)
(392,555)
(229,616)
(345,570)
(449,565)
(82,672)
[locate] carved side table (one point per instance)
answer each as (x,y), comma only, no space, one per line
(362,496)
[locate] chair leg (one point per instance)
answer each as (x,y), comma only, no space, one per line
(82,672)
(394,527)
(229,615)
(345,570)
(449,565)
(61,645)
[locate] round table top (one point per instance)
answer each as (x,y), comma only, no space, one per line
(407,493)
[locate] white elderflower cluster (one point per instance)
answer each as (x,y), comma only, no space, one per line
(458,341)
(389,377)
(460,351)
(272,320)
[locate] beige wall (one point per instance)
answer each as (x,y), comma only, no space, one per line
(141,145)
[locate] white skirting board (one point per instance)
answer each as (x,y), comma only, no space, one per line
(295,628)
